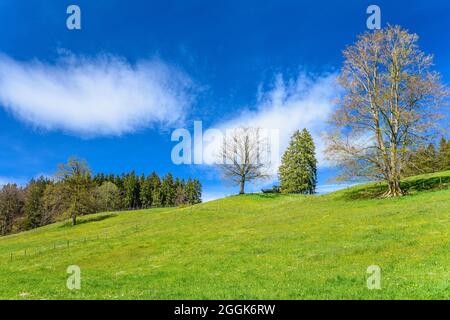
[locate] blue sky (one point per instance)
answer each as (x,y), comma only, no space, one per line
(113,91)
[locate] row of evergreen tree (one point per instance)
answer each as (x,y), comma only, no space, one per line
(429,158)
(134,191)
(74,191)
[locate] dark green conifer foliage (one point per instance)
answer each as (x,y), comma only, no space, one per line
(298,170)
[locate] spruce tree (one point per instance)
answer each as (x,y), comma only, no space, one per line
(193,191)
(132,191)
(180,196)
(156,193)
(298,170)
(197,191)
(34,204)
(168,190)
(146,192)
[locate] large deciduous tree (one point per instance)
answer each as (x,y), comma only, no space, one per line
(390,103)
(75,177)
(107,197)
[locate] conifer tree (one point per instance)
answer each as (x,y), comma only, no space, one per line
(181,195)
(197,191)
(156,193)
(34,204)
(298,170)
(168,190)
(193,191)
(131,186)
(146,192)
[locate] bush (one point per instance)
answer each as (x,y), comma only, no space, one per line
(274,189)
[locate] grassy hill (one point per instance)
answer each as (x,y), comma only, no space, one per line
(245,247)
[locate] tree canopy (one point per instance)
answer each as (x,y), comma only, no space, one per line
(298,169)
(391,103)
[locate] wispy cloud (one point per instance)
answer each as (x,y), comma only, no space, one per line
(94,96)
(288,105)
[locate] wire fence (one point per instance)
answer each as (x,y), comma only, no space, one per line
(63,244)
(69,243)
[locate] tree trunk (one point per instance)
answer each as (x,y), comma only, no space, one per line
(394,188)
(242,185)
(74,219)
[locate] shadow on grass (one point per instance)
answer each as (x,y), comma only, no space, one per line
(275,195)
(268,195)
(409,187)
(88,219)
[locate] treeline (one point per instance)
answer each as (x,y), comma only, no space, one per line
(429,158)
(75,191)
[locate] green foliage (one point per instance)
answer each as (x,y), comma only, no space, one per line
(274,189)
(11,205)
(34,202)
(75,192)
(298,170)
(146,191)
(156,196)
(428,159)
(168,191)
(444,154)
(107,197)
(132,191)
(76,179)
(156,193)
(193,191)
(56,202)
(181,197)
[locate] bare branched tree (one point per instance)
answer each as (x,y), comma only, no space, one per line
(392,101)
(242,157)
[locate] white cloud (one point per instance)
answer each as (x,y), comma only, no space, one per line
(290,104)
(104,95)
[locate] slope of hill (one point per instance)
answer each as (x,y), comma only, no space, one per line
(259,246)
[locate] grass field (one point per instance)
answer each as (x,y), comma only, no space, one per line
(259,246)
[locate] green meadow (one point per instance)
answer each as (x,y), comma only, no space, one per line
(256,246)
